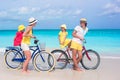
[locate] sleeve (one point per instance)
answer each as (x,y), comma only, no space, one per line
(76,28)
(86,31)
(59,33)
(66,33)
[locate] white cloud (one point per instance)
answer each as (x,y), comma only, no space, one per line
(23,10)
(77,12)
(42,13)
(118,0)
(111,9)
(3,13)
(59,13)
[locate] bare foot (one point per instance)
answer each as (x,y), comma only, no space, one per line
(26,72)
(77,69)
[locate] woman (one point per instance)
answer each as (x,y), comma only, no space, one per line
(27,35)
(76,44)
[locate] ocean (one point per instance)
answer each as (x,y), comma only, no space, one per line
(104,41)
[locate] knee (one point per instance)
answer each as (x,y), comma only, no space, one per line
(80,56)
(28,58)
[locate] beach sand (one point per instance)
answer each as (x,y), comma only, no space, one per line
(108,70)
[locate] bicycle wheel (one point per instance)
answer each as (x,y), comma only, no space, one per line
(61,59)
(40,61)
(9,56)
(91,61)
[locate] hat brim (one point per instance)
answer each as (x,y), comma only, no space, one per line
(63,27)
(33,22)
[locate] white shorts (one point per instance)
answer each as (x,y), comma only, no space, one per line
(25,47)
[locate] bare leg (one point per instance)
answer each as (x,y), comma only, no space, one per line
(75,66)
(79,56)
(25,64)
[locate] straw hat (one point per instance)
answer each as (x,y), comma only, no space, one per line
(63,26)
(32,20)
(83,20)
(21,27)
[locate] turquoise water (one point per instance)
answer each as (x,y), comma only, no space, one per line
(103,41)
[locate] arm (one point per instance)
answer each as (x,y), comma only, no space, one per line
(59,39)
(74,35)
(65,37)
(25,34)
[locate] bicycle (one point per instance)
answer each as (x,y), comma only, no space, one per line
(14,57)
(90,58)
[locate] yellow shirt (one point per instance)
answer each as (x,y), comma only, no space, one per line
(26,40)
(62,35)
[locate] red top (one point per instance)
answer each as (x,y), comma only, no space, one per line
(18,38)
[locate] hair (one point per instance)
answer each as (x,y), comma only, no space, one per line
(65,30)
(84,22)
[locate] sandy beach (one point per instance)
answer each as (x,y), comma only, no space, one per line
(108,70)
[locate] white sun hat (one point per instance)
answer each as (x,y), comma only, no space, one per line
(63,26)
(32,20)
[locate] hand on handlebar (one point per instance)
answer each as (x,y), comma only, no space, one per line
(33,37)
(84,40)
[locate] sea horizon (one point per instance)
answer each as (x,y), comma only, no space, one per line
(104,41)
(67,29)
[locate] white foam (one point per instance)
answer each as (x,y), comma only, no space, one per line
(2,49)
(109,57)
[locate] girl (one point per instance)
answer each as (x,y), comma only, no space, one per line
(27,35)
(76,44)
(63,37)
(19,35)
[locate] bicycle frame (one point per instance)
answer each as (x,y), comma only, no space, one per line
(19,51)
(69,56)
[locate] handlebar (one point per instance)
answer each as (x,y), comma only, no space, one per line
(36,40)
(84,41)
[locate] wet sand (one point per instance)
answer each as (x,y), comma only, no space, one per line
(108,70)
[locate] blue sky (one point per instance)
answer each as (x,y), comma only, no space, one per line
(101,14)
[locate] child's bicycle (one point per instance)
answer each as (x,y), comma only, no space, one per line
(14,57)
(90,58)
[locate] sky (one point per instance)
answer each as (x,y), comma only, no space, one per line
(100,14)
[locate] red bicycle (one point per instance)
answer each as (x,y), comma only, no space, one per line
(90,58)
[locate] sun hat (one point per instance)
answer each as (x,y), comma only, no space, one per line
(32,20)
(83,20)
(63,26)
(21,27)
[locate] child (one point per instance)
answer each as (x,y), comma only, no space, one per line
(76,44)
(63,37)
(19,35)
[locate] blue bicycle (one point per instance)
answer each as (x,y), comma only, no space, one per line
(14,58)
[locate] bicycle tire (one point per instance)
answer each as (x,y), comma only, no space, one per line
(65,57)
(7,54)
(83,62)
(39,67)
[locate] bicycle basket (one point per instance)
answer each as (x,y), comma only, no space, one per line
(42,46)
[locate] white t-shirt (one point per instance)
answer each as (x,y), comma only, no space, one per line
(80,32)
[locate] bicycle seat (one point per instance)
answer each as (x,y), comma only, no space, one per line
(12,48)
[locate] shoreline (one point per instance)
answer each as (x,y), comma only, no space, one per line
(102,56)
